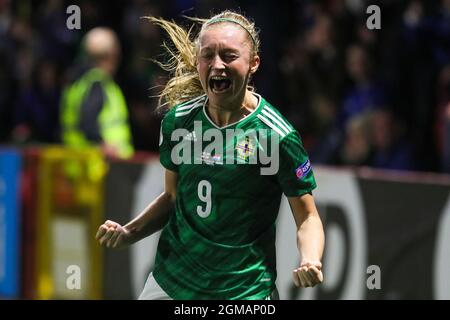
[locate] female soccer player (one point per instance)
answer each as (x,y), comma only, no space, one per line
(229,155)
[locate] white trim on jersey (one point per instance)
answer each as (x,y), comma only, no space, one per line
(189,104)
(271,125)
(180,114)
(274,120)
(188,108)
(279,118)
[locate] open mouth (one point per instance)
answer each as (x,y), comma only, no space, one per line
(219,84)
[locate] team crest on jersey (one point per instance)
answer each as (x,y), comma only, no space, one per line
(245,149)
(303,170)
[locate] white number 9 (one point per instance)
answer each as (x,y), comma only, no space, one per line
(204,194)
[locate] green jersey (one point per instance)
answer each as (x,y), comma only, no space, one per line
(220,242)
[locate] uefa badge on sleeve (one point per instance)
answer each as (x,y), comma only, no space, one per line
(303,170)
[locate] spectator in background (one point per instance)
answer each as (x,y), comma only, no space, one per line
(365,94)
(36,112)
(312,70)
(390,148)
(328,138)
(141,76)
(93,109)
(56,42)
(356,149)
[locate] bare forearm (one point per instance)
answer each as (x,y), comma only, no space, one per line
(311,239)
(152,219)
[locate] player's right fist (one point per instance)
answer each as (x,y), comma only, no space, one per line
(112,235)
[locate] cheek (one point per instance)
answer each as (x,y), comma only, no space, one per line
(243,69)
(201,69)
(199,66)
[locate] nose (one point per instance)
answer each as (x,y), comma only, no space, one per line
(217,63)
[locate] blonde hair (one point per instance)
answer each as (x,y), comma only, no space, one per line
(182,63)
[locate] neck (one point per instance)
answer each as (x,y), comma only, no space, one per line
(225,115)
(107,67)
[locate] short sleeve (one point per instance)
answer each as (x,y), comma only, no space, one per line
(165,144)
(295,173)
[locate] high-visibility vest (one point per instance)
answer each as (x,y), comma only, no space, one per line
(113,117)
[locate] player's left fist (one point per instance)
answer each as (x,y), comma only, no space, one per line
(308,274)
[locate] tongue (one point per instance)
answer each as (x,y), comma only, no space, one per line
(220,85)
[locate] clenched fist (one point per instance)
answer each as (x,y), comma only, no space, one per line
(309,274)
(112,235)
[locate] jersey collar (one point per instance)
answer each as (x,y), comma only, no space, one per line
(251,115)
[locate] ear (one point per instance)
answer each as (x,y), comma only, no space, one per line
(254,64)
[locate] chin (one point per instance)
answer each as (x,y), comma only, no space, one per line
(219,97)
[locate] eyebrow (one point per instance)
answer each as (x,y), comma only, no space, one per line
(227,50)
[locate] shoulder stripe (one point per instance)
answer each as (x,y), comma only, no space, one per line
(279,118)
(275,121)
(271,125)
(187,111)
(189,105)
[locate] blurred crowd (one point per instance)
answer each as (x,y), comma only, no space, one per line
(359,97)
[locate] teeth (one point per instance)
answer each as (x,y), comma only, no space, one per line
(218,78)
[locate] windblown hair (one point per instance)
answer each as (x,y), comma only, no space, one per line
(184,83)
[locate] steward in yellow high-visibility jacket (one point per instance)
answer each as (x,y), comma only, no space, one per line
(94,112)
(93,108)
